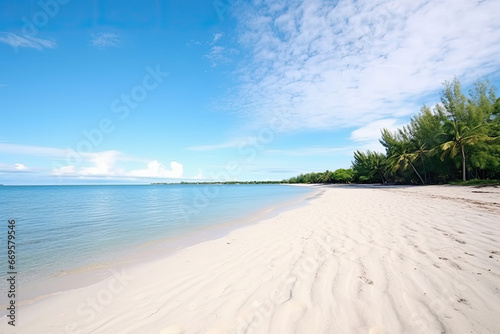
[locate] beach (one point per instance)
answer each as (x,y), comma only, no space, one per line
(353,259)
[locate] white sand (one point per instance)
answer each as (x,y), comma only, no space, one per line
(355,260)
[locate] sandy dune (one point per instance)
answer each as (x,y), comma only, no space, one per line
(354,260)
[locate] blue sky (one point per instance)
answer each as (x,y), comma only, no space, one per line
(164,91)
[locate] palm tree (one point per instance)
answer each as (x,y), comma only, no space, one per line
(402,157)
(370,164)
(421,153)
(325,177)
(461,136)
(402,160)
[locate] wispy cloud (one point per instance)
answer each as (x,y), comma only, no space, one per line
(220,54)
(105,40)
(193,42)
(373,130)
(367,137)
(17,149)
(217,36)
(274,170)
(233,143)
(310,151)
(24,41)
(330,64)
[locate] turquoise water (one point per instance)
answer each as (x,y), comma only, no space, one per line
(63,228)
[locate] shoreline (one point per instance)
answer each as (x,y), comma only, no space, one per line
(354,259)
(150,251)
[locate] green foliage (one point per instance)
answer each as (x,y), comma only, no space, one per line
(220,182)
(343,175)
(458,138)
(370,166)
(476,182)
(339,176)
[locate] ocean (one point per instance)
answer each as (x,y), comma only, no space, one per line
(64,229)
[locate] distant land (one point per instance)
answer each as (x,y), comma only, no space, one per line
(224,182)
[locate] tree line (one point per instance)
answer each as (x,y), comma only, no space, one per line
(339,176)
(457,139)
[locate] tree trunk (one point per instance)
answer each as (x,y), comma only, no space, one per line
(382,177)
(464,178)
(425,170)
(423,182)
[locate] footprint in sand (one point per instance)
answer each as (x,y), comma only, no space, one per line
(463,301)
(366,280)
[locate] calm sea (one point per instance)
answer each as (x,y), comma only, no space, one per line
(60,229)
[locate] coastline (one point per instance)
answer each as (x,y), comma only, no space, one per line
(353,259)
(150,251)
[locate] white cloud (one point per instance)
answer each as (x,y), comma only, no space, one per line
(373,130)
(104,164)
(64,170)
(157,170)
(15,168)
(101,164)
(105,40)
(368,136)
(20,167)
(25,41)
(69,163)
(217,36)
(346,63)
